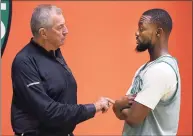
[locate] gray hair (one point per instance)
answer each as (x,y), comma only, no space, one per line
(41,17)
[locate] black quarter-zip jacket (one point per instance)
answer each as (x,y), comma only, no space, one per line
(45,94)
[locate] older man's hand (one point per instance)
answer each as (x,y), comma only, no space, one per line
(103,104)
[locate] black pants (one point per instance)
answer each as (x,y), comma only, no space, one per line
(22,134)
(32,134)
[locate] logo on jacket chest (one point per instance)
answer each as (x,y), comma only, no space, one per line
(137,85)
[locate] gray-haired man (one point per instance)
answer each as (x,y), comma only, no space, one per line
(44,90)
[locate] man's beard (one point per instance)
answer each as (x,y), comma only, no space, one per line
(142,47)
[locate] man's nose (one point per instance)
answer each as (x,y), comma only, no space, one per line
(65,31)
(137,33)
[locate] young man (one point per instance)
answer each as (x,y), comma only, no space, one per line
(152,104)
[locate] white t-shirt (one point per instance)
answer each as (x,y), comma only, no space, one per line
(159,84)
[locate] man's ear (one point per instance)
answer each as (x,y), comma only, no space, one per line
(159,32)
(43,32)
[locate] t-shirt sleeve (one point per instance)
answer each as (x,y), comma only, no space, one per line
(157,82)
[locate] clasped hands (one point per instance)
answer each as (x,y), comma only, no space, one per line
(104,103)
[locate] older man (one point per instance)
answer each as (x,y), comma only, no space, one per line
(44,90)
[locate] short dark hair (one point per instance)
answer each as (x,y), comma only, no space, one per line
(161,18)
